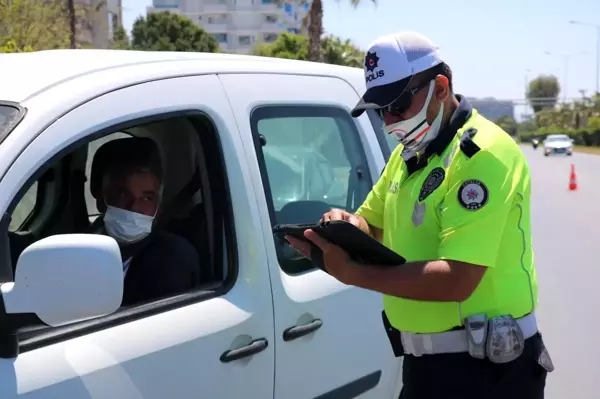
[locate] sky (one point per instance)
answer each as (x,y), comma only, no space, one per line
(493,47)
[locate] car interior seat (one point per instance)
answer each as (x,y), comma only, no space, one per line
(186,198)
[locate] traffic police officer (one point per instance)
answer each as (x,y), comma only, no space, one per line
(454,200)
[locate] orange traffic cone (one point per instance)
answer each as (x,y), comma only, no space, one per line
(573,179)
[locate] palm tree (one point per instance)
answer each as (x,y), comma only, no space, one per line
(313,24)
(72,23)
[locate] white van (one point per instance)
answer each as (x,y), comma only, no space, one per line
(272,142)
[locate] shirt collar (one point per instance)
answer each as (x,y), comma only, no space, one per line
(437,146)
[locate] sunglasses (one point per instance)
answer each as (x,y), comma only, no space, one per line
(402,103)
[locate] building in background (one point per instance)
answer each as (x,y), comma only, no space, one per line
(492,108)
(98,21)
(240,24)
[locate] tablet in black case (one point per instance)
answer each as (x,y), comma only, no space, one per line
(361,247)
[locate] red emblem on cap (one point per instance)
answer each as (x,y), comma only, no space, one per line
(371,61)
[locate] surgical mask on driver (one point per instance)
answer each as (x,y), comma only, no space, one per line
(415,133)
(126,226)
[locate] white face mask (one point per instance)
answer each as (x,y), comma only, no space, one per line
(125,226)
(415,133)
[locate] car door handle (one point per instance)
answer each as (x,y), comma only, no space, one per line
(256,346)
(300,331)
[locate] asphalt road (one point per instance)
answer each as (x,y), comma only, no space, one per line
(566,239)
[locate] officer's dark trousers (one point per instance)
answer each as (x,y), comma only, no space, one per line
(459,376)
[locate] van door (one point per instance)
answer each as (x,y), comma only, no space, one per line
(307,155)
(213,342)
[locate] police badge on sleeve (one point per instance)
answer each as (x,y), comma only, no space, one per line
(473,195)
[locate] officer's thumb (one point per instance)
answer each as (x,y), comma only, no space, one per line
(317,240)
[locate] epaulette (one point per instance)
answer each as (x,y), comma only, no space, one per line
(467,145)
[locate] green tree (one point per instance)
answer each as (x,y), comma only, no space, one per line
(526,128)
(315,27)
(32,25)
(120,40)
(10,47)
(313,23)
(542,92)
(338,52)
(165,31)
(295,47)
(287,45)
(508,124)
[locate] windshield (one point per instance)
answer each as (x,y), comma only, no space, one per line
(386,141)
(9,117)
(557,138)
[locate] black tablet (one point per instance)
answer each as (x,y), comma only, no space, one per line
(361,247)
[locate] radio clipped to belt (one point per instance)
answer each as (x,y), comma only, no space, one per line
(500,339)
(476,327)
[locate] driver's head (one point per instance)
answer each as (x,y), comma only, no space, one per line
(131,188)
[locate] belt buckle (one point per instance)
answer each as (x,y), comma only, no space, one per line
(414,344)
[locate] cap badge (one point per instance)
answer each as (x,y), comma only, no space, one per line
(371,61)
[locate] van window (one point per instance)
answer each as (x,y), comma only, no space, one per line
(9,117)
(191,239)
(24,208)
(312,160)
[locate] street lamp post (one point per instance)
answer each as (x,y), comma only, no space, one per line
(525,104)
(597,27)
(565,58)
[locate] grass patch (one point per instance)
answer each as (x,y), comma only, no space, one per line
(589,150)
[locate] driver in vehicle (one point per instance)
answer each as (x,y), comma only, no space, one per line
(126,181)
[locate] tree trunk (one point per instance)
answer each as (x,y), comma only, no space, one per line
(315,30)
(72,22)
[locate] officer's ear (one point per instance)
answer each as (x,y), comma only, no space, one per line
(442,88)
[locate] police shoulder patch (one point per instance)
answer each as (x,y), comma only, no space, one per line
(473,195)
(433,181)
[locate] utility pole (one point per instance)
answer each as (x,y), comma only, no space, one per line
(72,22)
(565,58)
(526,104)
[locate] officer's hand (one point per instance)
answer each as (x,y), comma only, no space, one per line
(303,247)
(337,262)
(340,214)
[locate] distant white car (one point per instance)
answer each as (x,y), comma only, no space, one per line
(558,144)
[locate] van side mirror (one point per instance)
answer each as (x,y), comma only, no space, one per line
(66,278)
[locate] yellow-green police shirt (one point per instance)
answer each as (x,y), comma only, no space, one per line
(468,201)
